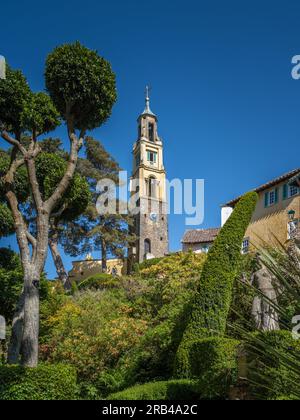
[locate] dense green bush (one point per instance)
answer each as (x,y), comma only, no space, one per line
(214,369)
(99,282)
(47,382)
(167,390)
(92,330)
(273,365)
(213,298)
(125,333)
(149,263)
(214,362)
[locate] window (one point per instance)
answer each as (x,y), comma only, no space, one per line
(152,157)
(147,246)
(151,131)
(290,191)
(205,248)
(271,198)
(293,190)
(292,228)
(137,160)
(246,246)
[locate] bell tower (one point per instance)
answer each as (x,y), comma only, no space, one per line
(149,185)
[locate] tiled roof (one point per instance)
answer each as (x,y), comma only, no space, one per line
(295,180)
(198,236)
(268,185)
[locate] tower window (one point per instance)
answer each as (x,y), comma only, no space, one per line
(152,187)
(147,246)
(137,160)
(152,157)
(151,131)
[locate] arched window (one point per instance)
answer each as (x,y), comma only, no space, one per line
(151,131)
(147,246)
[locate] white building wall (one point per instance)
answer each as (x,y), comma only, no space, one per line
(226,212)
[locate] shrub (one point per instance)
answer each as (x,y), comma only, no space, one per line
(273,365)
(47,382)
(92,330)
(213,298)
(167,390)
(149,263)
(99,282)
(214,362)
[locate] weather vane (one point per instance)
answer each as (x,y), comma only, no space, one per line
(148,90)
(2,67)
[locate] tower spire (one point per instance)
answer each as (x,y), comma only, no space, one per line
(147,99)
(147,110)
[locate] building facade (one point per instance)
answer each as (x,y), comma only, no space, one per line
(277,213)
(148,186)
(199,240)
(81,270)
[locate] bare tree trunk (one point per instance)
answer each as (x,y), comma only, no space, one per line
(104,256)
(17,333)
(30,342)
(59,265)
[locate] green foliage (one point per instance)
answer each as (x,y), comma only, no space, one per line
(242,299)
(39,114)
(214,362)
(20,182)
(273,365)
(99,282)
(162,296)
(92,330)
(126,333)
(11,282)
(168,390)
(7,226)
(14,93)
(50,170)
(82,84)
(213,298)
(148,263)
(47,382)
(214,369)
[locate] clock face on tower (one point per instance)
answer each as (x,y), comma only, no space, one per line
(153,217)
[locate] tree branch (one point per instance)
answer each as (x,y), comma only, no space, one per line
(12,141)
(62,187)
(30,163)
(20,227)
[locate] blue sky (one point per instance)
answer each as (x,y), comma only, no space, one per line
(220,74)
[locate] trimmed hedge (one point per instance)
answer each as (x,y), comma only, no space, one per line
(46,382)
(165,390)
(273,365)
(214,362)
(214,369)
(213,298)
